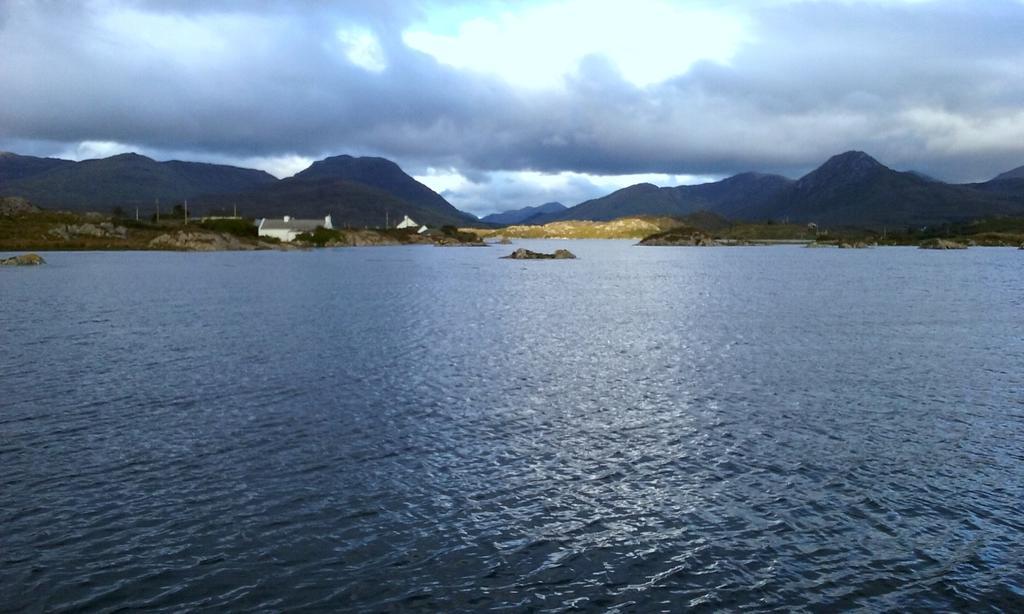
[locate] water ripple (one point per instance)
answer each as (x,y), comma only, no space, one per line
(427,429)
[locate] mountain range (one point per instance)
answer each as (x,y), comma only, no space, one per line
(356,191)
(850,189)
(123,180)
(540,214)
(1017,173)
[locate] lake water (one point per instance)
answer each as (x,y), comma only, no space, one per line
(416,428)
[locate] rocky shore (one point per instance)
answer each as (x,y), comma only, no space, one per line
(23,260)
(941,244)
(689,237)
(190,241)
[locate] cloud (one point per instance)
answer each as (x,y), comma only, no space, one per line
(362,48)
(488,192)
(510,95)
(536,46)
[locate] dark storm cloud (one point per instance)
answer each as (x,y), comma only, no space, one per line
(937,86)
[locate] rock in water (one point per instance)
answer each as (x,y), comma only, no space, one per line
(525,254)
(23,260)
(941,244)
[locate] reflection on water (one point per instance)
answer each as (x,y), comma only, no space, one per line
(403,428)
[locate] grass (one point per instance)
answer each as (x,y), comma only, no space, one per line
(32,231)
(323,237)
(623,228)
(237,227)
(766,232)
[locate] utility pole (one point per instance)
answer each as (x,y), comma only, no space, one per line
(186,213)
(234,209)
(136,214)
(387,219)
(158,211)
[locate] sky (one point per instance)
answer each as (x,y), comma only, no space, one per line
(501,104)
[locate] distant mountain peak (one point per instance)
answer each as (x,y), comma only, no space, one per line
(1017,173)
(852,167)
(130,156)
(857,160)
(525,214)
(752,176)
(640,187)
(381,174)
(348,167)
(329,160)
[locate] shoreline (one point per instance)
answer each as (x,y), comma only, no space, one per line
(8,252)
(40,230)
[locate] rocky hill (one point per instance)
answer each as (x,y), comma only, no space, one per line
(854,189)
(850,189)
(356,191)
(527,215)
(126,180)
(730,197)
(387,177)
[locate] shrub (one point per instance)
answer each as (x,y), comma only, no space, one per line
(237,227)
(319,237)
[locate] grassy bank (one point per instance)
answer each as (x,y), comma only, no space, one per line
(623,228)
(44,230)
(992,232)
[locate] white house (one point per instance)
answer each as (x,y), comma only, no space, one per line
(289,228)
(407,222)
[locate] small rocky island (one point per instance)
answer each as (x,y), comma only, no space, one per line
(525,254)
(23,260)
(683,235)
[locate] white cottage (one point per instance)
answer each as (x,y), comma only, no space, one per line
(289,228)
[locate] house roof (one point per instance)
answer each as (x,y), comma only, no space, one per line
(407,222)
(292,224)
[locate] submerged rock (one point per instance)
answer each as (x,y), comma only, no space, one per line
(854,245)
(525,254)
(446,241)
(941,244)
(23,260)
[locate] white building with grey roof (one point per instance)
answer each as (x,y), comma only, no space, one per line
(288,228)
